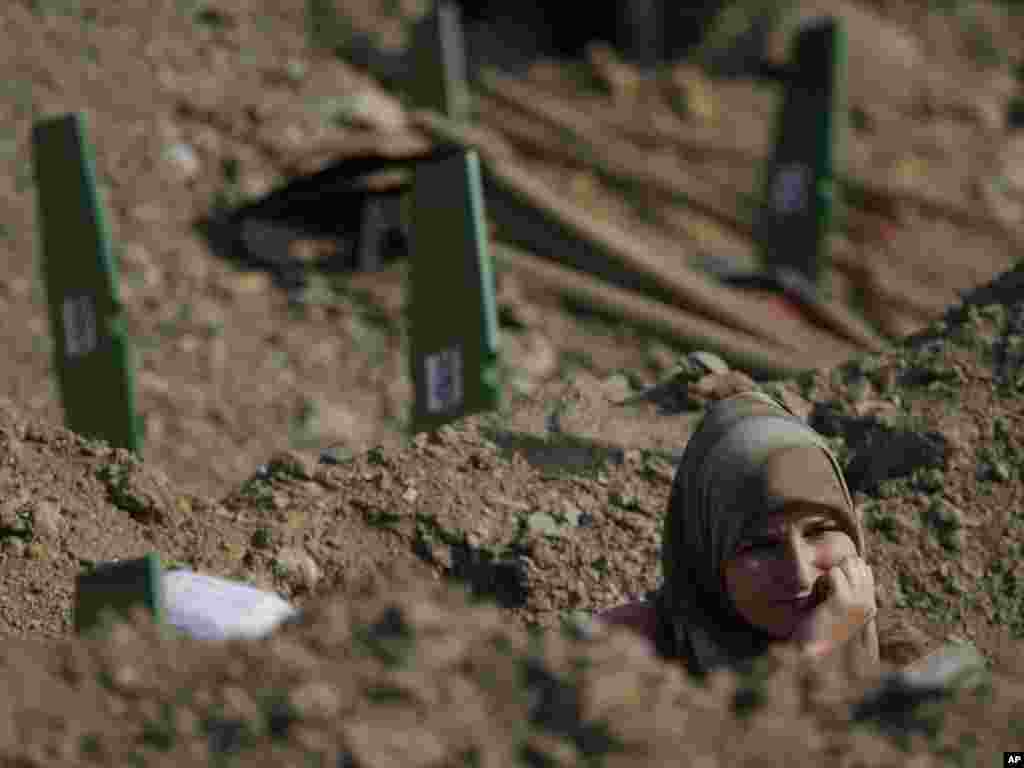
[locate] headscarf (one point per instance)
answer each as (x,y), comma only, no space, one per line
(749,456)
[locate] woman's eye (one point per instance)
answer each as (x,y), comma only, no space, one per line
(821,530)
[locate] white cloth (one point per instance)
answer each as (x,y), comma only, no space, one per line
(211,608)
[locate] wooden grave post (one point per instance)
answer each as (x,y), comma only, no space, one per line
(451,307)
(113,590)
(437,63)
(800,182)
(92,355)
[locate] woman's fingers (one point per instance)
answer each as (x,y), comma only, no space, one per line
(859,590)
(847,603)
(857,572)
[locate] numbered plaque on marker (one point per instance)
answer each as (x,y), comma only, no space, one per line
(91,350)
(799,185)
(452,316)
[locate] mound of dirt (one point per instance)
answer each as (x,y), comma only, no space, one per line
(217,103)
(413,675)
(540,527)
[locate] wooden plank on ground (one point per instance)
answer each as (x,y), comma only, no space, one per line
(830,315)
(856,180)
(544,222)
(741,350)
(620,159)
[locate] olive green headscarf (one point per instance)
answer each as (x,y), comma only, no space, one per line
(749,456)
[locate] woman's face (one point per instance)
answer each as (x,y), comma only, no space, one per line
(771,575)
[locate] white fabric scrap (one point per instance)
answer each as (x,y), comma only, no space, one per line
(211,608)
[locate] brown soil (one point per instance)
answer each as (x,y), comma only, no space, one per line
(547,508)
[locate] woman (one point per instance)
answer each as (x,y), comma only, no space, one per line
(761,545)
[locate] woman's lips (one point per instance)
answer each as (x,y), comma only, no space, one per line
(799,603)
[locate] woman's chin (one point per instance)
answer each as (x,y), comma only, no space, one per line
(793,627)
(785,623)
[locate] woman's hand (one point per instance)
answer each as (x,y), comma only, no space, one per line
(844,602)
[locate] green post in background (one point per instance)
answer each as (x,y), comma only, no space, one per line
(453,322)
(112,590)
(437,66)
(92,355)
(800,184)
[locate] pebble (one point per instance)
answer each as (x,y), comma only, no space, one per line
(183,161)
(300,565)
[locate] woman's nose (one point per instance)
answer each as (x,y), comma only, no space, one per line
(800,570)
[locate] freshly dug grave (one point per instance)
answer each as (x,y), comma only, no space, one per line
(412,675)
(192,105)
(541,524)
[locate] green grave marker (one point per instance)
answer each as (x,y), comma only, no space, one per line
(437,66)
(800,183)
(92,355)
(113,589)
(452,313)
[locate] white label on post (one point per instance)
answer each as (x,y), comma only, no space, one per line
(789,190)
(444,380)
(79,326)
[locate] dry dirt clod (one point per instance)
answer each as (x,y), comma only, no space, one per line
(299,567)
(316,700)
(47,521)
(183,161)
(291,464)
